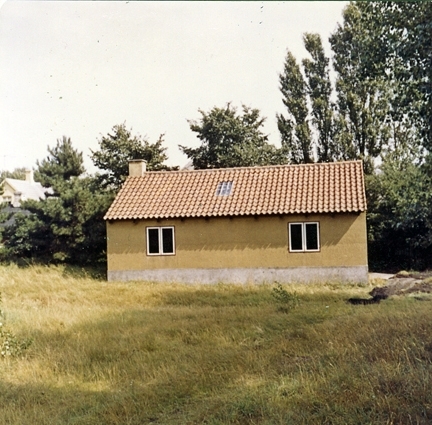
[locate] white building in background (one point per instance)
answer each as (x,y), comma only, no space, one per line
(16,191)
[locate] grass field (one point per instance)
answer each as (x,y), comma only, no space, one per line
(142,353)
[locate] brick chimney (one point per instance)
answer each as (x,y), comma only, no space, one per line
(137,167)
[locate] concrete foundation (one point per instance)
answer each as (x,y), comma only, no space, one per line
(353,274)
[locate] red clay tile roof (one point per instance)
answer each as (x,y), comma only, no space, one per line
(285,189)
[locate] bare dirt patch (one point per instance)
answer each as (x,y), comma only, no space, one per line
(418,284)
(405,283)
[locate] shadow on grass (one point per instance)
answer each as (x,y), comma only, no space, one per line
(145,366)
(96,272)
(47,404)
(217,296)
(188,360)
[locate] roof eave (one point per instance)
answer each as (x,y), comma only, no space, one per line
(107,217)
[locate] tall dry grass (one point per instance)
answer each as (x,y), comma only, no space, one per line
(141,353)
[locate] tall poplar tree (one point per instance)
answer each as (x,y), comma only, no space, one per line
(307,131)
(400,49)
(363,103)
(294,127)
(319,90)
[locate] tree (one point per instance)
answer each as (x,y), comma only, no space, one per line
(68,228)
(115,151)
(68,225)
(17,173)
(307,96)
(62,163)
(230,139)
(400,214)
(294,129)
(400,49)
(382,56)
(363,103)
(319,90)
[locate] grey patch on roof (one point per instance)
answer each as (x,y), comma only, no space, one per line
(224,188)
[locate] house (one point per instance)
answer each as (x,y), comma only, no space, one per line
(302,223)
(16,191)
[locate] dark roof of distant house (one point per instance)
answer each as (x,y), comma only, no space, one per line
(286,189)
(9,214)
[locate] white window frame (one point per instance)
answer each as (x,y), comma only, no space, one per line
(303,227)
(160,233)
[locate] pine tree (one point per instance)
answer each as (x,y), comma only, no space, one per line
(62,163)
(68,225)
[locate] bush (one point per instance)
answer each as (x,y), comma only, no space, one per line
(286,300)
(10,345)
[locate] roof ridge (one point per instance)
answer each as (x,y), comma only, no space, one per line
(34,183)
(15,180)
(253,167)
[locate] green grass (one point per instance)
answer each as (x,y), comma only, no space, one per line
(141,353)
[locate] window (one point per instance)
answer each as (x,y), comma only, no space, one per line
(160,241)
(304,237)
(224,188)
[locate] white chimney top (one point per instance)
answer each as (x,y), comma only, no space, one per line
(137,167)
(29,176)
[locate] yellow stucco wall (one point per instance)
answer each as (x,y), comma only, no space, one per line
(8,194)
(242,242)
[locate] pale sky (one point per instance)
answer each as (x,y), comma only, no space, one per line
(79,68)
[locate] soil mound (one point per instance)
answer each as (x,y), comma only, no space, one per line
(405,283)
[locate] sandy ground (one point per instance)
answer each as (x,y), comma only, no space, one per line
(403,283)
(383,276)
